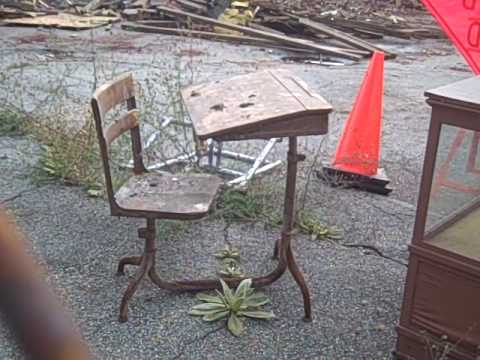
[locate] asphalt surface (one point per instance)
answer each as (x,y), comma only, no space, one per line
(356,292)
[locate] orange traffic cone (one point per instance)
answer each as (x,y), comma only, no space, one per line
(356,160)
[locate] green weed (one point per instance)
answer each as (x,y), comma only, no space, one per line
(243,303)
(68,155)
(11,123)
(308,224)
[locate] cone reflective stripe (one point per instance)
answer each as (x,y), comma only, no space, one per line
(358,150)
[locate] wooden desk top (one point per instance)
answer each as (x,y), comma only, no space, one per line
(465,93)
(263,104)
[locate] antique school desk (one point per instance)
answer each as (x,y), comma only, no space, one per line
(262,105)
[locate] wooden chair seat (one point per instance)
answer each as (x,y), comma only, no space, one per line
(169,196)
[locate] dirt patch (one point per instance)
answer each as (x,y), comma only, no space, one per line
(32,39)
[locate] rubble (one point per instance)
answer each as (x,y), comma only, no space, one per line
(325,29)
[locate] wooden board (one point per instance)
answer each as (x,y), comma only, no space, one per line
(258,105)
(387,29)
(286,40)
(63,21)
(343,37)
(250,40)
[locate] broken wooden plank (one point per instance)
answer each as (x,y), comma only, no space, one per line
(19,5)
(139,14)
(286,40)
(265,28)
(92,5)
(343,37)
(11,13)
(404,33)
(193,6)
(158,23)
(141,4)
(63,21)
(211,36)
(367,34)
(273,18)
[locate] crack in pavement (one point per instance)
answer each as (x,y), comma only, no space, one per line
(375,250)
(198,338)
(17,195)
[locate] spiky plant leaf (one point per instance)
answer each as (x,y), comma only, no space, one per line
(255,301)
(228,253)
(235,325)
(230,261)
(209,298)
(243,287)
(227,292)
(265,315)
(203,312)
(220,295)
(236,304)
(250,291)
(216,316)
(231,270)
(209,306)
(231,273)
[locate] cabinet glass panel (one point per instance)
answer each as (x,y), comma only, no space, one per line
(453,219)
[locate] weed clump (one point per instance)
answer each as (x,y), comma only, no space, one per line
(11,123)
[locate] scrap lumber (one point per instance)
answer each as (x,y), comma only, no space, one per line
(343,37)
(21,5)
(92,5)
(282,39)
(141,4)
(368,34)
(210,36)
(11,13)
(157,23)
(139,14)
(404,33)
(201,9)
(265,28)
(63,21)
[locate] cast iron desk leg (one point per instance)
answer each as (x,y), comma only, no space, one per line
(289,223)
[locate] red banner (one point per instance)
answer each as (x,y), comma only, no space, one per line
(460,19)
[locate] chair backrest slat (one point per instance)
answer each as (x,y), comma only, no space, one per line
(113,93)
(128,121)
(105,98)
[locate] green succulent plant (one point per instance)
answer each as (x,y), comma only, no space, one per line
(228,253)
(308,224)
(231,268)
(233,306)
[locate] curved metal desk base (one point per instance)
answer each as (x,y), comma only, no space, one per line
(283,252)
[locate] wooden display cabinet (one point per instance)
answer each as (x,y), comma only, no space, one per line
(441,307)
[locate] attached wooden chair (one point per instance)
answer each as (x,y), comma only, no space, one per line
(147,195)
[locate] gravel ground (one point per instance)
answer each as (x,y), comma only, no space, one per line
(356,293)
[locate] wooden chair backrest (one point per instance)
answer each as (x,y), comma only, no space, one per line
(105,98)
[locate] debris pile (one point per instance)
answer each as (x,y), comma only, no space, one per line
(306,28)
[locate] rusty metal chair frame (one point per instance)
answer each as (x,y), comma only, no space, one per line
(122,90)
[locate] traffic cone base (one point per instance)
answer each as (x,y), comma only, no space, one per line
(377,183)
